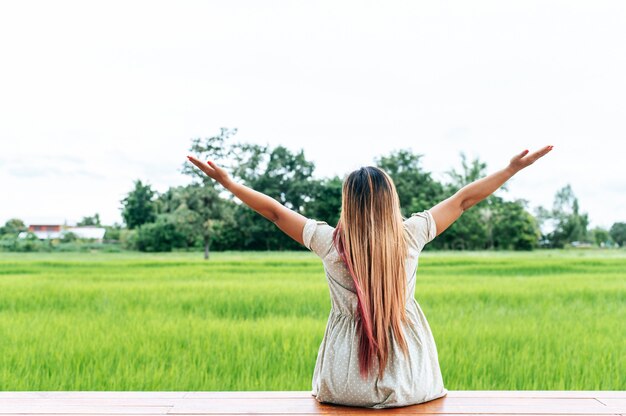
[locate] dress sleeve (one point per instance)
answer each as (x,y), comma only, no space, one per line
(318,236)
(422,228)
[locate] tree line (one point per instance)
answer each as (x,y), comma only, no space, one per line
(202,215)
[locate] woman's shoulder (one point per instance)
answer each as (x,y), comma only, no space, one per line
(317,236)
(422,229)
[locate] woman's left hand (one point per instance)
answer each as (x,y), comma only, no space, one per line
(212,170)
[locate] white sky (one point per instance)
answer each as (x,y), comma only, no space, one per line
(94,95)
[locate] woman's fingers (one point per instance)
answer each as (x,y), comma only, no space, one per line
(214,171)
(524,159)
(536,155)
(541,152)
(203,166)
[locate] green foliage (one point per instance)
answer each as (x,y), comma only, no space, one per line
(113,232)
(474,229)
(128,239)
(8,242)
(209,216)
(416,188)
(513,227)
(138,206)
(69,237)
(203,215)
(279,173)
(200,203)
(215,148)
(30,243)
(161,235)
(618,233)
(14,226)
(325,200)
(196,210)
(601,237)
(94,220)
(570,224)
(469,232)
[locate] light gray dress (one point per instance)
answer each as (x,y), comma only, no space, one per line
(336,377)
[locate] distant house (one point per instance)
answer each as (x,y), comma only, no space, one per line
(56,231)
(45,231)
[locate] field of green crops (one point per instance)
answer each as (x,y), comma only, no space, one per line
(254,321)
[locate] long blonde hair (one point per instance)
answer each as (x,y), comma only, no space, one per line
(372,242)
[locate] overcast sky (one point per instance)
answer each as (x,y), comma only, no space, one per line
(94,95)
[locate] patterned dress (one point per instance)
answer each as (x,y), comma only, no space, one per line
(336,377)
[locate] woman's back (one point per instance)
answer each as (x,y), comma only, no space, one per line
(336,378)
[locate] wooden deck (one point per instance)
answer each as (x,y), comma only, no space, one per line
(498,402)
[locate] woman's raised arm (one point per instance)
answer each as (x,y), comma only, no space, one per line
(450,209)
(289,221)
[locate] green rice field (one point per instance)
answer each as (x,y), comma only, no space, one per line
(542,320)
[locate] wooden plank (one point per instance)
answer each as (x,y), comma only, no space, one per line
(90,401)
(442,405)
(20,394)
(525,401)
(539,393)
(115,394)
(385,411)
(538,410)
(590,394)
(343,414)
(261,394)
(614,402)
(617,394)
(70,410)
(286,406)
(302,402)
(149,401)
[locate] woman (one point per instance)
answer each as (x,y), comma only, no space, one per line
(378,350)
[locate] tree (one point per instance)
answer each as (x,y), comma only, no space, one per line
(470,173)
(172,202)
(416,188)
(571,225)
(474,229)
(601,237)
(201,200)
(95,220)
(14,226)
(138,206)
(161,235)
(199,212)
(279,173)
(69,237)
(182,202)
(618,233)
(168,201)
(113,232)
(513,227)
(215,148)
(325,200)
(471,231)
(492,223)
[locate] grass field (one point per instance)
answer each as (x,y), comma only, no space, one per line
(254,321)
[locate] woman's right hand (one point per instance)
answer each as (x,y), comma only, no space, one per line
(521,160)
(212,170)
